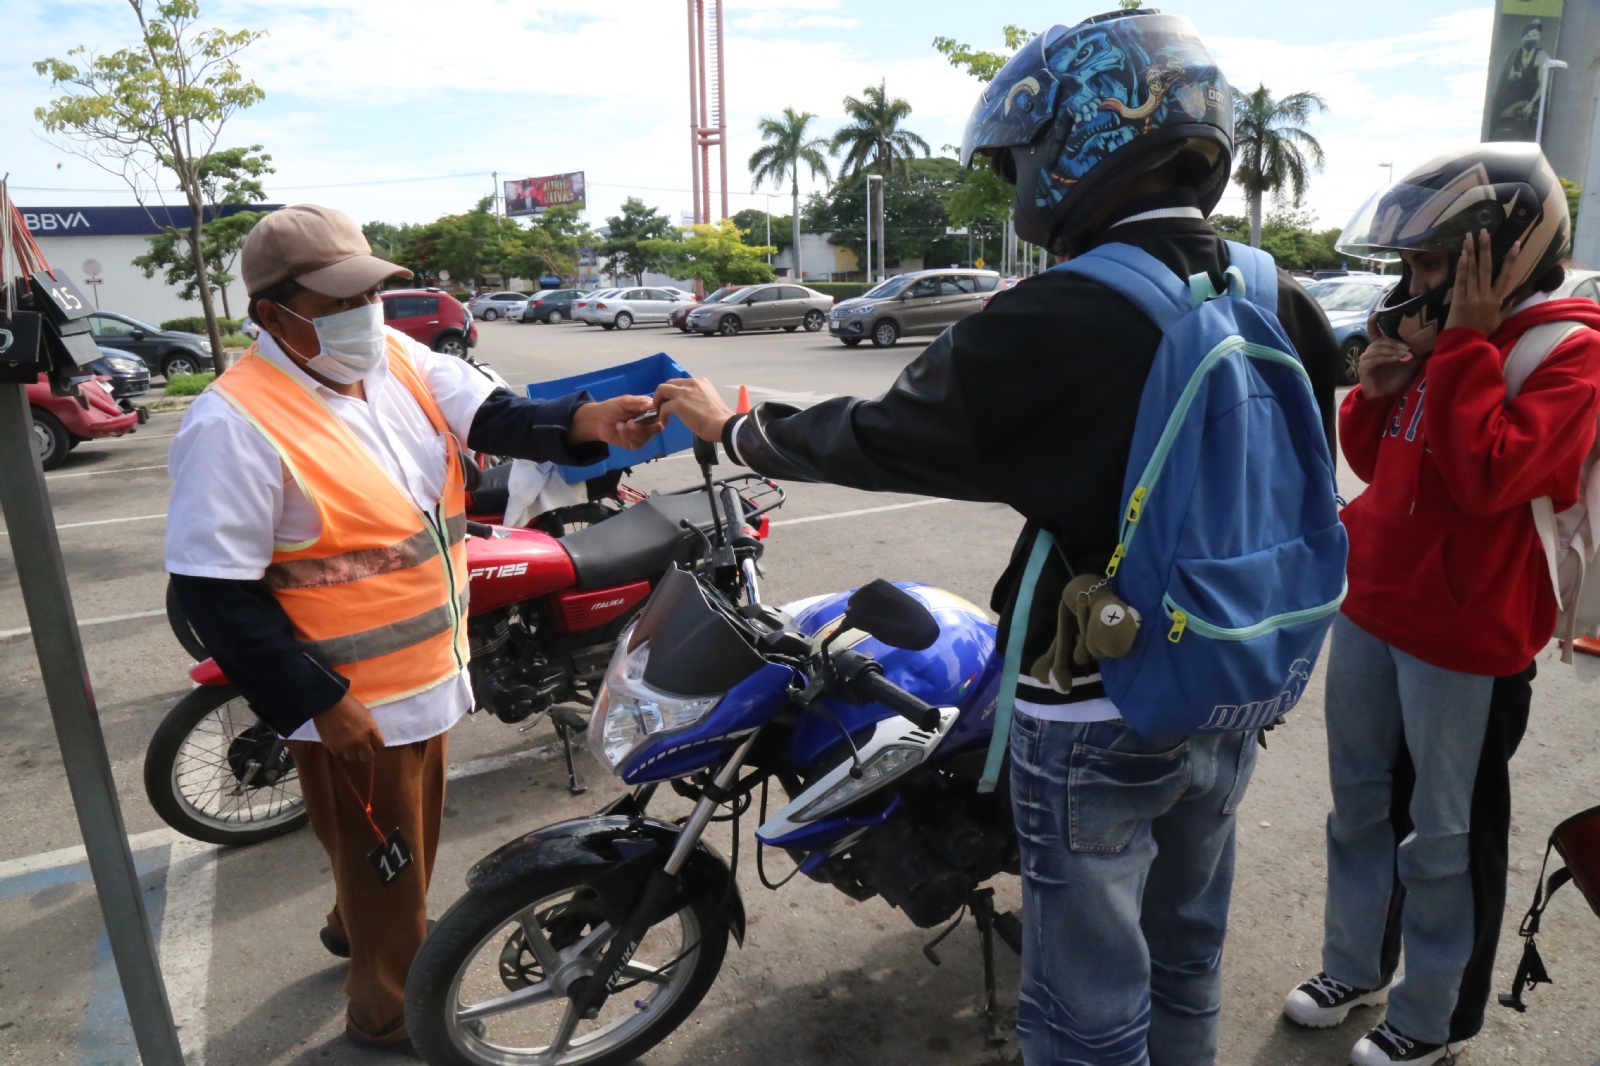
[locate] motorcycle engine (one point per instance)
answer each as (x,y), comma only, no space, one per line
(942,842)
(510,679)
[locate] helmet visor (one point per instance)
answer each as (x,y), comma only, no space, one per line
(1421,218)
(1017,104)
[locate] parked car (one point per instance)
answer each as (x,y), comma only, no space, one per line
(1584,284)
(1005,283)
(432,317)
(61,423)
(492,305)
(679,315)
(646,306)
(165,352)
(127,375)
(553,306)
(249,328)
(923,301)
(583,307)
(763,307)
(1349,301)
(1324,275)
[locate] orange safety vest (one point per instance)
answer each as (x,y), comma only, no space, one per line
(381,595)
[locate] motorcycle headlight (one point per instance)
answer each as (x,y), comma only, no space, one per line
(890,762)
(628,711)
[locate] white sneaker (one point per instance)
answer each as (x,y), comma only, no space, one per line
(1322,1002)
(1386,1045)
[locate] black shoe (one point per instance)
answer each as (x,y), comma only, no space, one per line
(1386,1045)
(1323,1002)
(335,946)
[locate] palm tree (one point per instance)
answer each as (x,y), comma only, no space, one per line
(1268,138)
(781,158)
(874,139)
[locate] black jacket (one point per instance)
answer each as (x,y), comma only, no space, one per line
(1030,403)
(248,632)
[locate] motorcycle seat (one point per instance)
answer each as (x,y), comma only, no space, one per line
(639,543)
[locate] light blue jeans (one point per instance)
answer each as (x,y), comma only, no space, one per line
(1127,870)
(1380,698)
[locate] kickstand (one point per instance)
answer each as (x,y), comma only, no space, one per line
(566,749)
(982,904)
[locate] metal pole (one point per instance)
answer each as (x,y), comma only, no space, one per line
(494,176)
(1586,237)
(43,578)
(722,113)
(1544,95)
(869,229)
(694,117)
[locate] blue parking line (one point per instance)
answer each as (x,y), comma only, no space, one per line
(106,1036)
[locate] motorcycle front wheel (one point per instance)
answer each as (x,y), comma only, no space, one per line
(488,987)
(215,772)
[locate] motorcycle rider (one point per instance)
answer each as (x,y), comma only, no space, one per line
(1117,129)
(315,535)
(1431,663)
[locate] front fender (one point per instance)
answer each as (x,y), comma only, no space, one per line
(611,854)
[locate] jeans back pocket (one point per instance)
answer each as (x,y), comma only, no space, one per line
(1110,793)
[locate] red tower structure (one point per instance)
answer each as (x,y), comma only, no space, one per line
(708,126)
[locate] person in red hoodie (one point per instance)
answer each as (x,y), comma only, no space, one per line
(1450,596)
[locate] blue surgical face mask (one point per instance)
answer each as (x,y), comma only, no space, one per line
(352,343)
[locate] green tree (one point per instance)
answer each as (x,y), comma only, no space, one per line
(713,255)
(158,106)
(1574,193)
(1273,152)
(387,239)
(756,224)
(874,138)
(786,150)
(1290,237)
(228,176)
(626,237)
(916,218)
(981,65)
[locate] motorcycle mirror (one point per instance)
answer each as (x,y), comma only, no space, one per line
(892,615)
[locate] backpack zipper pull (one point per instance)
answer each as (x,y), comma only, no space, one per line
(1180,621)
(1116,561)
(1136,504)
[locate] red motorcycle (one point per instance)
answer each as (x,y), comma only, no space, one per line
(542,620)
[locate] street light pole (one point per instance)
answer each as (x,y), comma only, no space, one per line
(1544,95)
(1390,168)
(882,265)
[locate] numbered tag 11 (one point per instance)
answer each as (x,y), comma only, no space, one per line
(390,858)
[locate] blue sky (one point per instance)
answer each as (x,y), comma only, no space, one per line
(363,97)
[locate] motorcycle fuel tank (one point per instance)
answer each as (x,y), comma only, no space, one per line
(959,670)
(515,565)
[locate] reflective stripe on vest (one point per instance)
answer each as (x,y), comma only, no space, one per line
(380,595)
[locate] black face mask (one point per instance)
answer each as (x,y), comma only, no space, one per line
(1416,320)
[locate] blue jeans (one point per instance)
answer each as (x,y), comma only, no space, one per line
(1380,699)
(1127,870)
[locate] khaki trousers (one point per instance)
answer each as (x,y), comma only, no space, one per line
(383,924)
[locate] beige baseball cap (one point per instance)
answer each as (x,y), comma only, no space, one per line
(318,247)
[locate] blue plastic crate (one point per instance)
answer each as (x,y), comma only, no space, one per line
(639,378)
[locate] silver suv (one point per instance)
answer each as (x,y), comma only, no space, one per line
(923,301)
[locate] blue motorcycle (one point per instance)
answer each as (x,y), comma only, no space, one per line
(589,941)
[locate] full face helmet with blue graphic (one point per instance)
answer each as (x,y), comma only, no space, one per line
(1080,112)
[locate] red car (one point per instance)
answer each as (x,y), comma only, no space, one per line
(679,315)
(61,423)
(432,317)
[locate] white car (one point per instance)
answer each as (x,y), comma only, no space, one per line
(583,308)
(492,305)
(1584,284)
(623,308)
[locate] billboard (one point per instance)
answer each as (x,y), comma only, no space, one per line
(530,196)
(1525,36)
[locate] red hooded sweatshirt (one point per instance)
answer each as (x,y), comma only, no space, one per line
(1444,560)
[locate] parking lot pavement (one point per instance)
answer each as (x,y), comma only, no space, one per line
(820,979)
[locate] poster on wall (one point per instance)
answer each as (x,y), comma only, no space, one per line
(1525,35)
(530,196)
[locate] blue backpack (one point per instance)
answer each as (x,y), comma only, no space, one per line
(1231,548)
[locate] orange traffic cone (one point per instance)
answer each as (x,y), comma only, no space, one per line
(744,400)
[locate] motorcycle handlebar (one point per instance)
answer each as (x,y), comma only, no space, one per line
(870,684)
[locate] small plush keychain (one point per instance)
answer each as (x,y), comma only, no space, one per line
(1054,667)
(1106,625)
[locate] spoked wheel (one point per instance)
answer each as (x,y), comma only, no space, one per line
(490,985)
(216,772)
